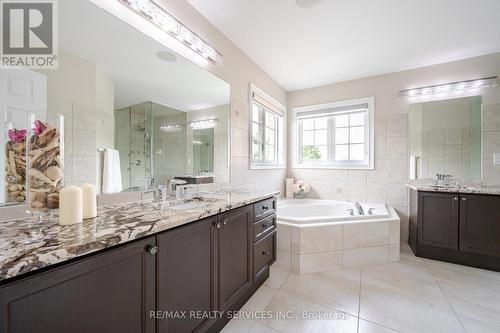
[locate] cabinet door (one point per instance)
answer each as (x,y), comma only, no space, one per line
(480,224)
(233,252)
(438,220)
(185,276)
(109,292)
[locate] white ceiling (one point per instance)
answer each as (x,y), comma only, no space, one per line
(340,40)
(129,58)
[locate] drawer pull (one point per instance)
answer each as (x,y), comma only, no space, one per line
(455,198)
(224,221)
(265,253)
(152,250)
(265,207)
(217,225)
(464,199)
(264,225)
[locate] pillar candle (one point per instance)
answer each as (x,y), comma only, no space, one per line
(70,205)
(289,188)
(89,201)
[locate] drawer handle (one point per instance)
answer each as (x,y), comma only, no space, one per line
(464,199)
(265,253)
(224,221)
(455,198)
(152,250)
(265,207)
(217,225)
(264,225)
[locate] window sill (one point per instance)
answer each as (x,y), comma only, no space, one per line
(334,167)
(266,167)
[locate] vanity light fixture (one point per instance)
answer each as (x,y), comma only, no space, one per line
(154,13)
(449,88)
(203,124)
(170,128)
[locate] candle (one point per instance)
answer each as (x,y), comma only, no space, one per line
(70,205)
(89,201)
(289,188)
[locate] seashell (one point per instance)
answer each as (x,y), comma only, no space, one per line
(37,204)
(53,173)
(38,175)
(47,137)
(53,200)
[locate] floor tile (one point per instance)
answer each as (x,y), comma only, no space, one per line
(276,278)
(307,317)
(238,326)
(260,299)
(368,327)
(412,282)
(474,326)
(406,316)
(471,292)
(338,289)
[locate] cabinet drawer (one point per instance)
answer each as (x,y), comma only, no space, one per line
(263,227)
(264,254)
(264,208)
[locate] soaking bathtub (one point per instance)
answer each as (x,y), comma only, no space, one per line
(325,235)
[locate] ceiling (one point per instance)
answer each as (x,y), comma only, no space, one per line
(129,59)
(340,40)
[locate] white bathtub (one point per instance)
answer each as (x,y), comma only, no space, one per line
(324,235)
(303,211)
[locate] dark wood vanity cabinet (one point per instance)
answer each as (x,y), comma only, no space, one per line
(185,276)
(480,224)
(438,220)
(233,256)
(153,285)
(109,292)
(459,228)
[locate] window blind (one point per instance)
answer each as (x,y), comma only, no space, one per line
(332,111)
(262,99)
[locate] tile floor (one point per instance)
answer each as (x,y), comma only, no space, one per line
(412,295)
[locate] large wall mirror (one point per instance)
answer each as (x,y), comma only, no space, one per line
(118,90)
(445,138)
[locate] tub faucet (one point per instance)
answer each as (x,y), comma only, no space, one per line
(358,207)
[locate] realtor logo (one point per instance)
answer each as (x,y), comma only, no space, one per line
(29,33)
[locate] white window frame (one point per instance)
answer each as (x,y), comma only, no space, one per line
(367,164)
(263,100)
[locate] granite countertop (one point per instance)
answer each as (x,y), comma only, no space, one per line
(115,224)
(464,190)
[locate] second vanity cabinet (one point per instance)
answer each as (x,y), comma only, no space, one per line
(151,285)
(459,228)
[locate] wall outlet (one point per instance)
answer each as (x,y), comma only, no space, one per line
(496,159)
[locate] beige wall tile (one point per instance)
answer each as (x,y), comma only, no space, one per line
(320,239)
(319,262)
(365,256)
(356,235)
(491,117)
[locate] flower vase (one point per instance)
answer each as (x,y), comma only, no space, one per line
(299,195)
(45,169)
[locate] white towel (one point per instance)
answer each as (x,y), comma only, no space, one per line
(413,167)
(112,175)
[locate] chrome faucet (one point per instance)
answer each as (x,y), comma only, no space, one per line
(358,207)
(158,194)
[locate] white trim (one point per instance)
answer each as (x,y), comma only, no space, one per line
(282,113)
(295,151)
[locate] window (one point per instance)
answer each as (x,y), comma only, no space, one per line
(267,130)
(336,135)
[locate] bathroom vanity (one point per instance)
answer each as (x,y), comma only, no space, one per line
(138,267)
(456,225)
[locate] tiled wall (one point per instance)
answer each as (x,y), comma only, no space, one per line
(491,143)
(385,184)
